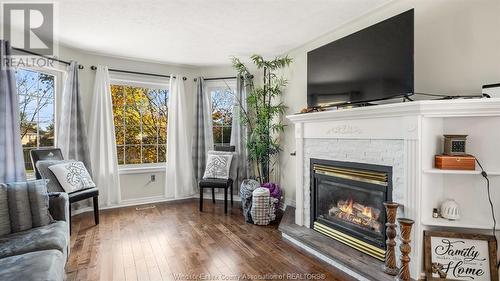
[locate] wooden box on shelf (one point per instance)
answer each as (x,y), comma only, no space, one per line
(447,162)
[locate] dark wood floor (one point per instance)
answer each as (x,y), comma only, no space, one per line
(174,241)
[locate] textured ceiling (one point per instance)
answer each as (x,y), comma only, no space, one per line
(200,32)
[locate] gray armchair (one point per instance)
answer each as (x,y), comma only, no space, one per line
(39,253)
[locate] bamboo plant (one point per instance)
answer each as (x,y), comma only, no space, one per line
(263,112)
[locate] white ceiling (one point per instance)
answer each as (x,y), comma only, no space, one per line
(200,32)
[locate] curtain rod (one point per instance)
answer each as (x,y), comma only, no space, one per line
(46,57)
(93,67)
(221,78)
(217,78)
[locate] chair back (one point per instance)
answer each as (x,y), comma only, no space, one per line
(44,154)
(233,170)
(227,148)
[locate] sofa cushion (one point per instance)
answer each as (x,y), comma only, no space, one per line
(39,203)
(43,168)
(41,265)
(4,211)
(19,206)
(50,237)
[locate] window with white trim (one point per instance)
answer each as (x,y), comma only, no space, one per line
(222,97)
(36,91)
(140,119)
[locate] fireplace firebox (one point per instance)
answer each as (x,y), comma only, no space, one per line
(347,203)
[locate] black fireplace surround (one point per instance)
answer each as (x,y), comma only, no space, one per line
(347,203)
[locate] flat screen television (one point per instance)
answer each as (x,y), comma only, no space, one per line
(373,64)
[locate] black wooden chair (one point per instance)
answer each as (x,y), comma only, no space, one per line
(79,195)
(213,183)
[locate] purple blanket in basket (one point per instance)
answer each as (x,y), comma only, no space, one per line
(274,191)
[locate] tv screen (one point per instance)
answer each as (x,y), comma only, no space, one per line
(375,63)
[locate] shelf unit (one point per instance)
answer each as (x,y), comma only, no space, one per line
(466,187)
(461,223)
(459,172)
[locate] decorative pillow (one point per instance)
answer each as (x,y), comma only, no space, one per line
(218,165)
(72,176)
(4,211)
(39,203)
(19,206)
(43,168)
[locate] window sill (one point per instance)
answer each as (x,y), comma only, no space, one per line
(140,169)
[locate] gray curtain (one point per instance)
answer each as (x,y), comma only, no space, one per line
(72,132)
(11,151)
(203,137)
(239,131)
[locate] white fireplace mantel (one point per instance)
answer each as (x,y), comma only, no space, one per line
(414,130)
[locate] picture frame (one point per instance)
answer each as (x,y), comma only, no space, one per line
(459,256)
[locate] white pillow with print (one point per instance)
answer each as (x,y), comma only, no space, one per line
(72,176)
(218,165)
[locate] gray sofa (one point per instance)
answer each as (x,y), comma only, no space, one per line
(38,253)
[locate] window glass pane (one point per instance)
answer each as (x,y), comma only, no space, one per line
(162,153)
(46,134)
(140,117)
(226,135)
(120,151)
(217,132)
(149,127)
(132,125)
(133,154)
(149,154)
(36,96)
(117,95)
(222,114)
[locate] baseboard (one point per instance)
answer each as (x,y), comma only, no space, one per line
(152,200)
(289,202)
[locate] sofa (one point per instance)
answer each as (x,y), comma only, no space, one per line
(39,253)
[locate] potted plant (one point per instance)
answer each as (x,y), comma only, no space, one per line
(263,113)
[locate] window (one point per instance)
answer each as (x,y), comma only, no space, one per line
(140,119)
(36,91)
(222,97)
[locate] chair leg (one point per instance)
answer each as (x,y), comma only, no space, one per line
(213,195)
(96,209)
(225,200)
(232,185)
(201,199)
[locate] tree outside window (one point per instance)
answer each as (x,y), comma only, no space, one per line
(222,114)
(36,94)
(140,119)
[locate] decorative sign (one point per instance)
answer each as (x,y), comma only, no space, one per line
(457,256)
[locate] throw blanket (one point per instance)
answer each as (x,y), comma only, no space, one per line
(246,189)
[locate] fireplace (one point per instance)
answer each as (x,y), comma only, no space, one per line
(347,203)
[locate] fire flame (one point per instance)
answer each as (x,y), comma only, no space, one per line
(367,211)
(347,208)
(355,212)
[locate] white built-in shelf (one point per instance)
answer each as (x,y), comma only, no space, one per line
(459,172)
(461,223)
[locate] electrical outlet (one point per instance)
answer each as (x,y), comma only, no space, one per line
(153,178)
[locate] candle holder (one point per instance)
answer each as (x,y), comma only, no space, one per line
(405,226)
(390,266)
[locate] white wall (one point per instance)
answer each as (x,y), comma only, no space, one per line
(136,186)
(456,51)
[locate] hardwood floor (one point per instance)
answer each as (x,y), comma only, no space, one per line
(174,241)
